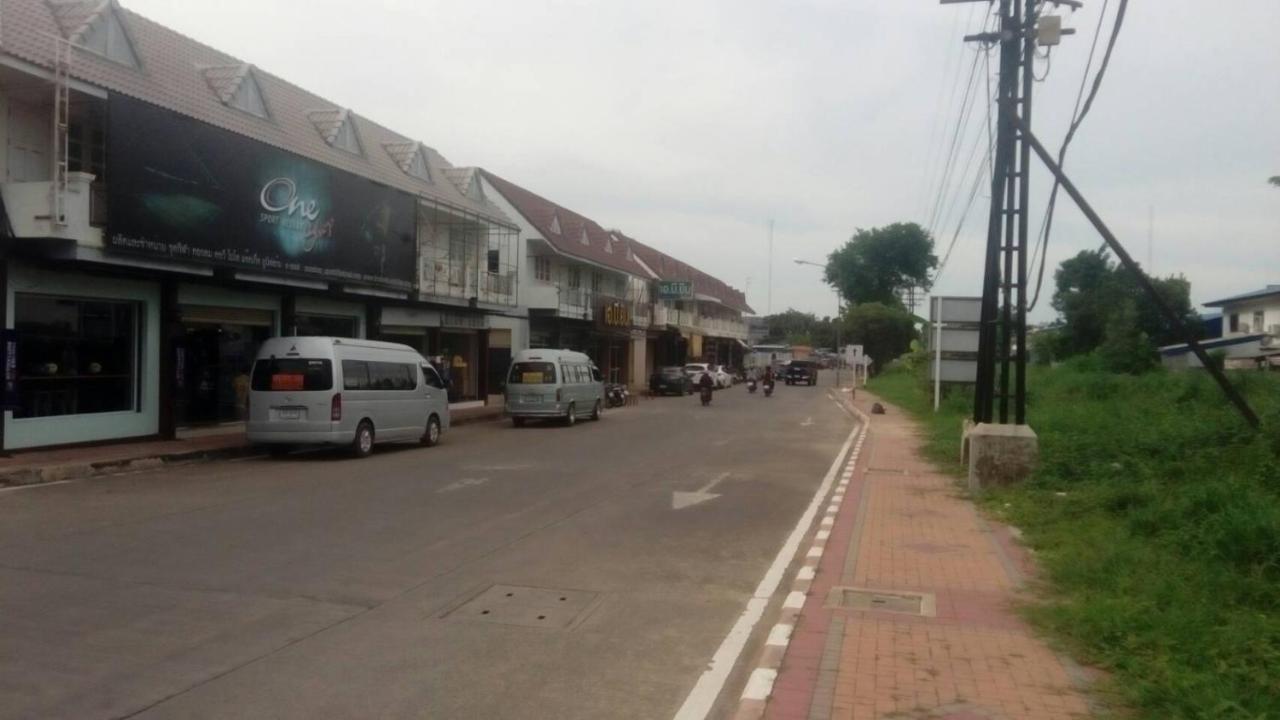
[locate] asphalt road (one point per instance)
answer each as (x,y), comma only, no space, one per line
(316,586)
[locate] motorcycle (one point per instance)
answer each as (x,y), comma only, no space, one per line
(751,385)
(768,388)
(616,396)
(706,396)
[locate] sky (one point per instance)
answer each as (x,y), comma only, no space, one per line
(691,125)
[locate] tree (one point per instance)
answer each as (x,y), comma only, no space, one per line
(799,328)
(878,264)
(884,331)
(1095,297)
(1275,180)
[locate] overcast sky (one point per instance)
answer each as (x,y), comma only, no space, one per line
(690,124)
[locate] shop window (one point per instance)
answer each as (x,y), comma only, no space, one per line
(326,326)
(75,356)
(542,268)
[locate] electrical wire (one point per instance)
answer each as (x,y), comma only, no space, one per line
(984,170)
(935,135)
(1078,118)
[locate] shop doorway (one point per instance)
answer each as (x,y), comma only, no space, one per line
(460,360)
(212,371)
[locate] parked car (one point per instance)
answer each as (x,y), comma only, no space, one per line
(695,370)
(802,372)
(555,384)
(670,381)
(339,391)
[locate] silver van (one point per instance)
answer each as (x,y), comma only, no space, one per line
(558,384)
(339,391)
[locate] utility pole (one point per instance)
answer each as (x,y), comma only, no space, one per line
(769,304)
(1002,343)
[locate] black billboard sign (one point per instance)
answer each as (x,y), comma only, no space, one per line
(187,191)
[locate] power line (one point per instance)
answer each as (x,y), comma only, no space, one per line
(1079,116)
(935,136)
(962,122)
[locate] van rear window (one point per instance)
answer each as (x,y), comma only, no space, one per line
(532,373)
(292,375)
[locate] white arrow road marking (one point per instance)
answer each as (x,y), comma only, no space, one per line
(682,500)
(807,422)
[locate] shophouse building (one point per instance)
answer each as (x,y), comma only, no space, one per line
(167,207)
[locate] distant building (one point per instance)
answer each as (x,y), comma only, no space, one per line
(1248,333)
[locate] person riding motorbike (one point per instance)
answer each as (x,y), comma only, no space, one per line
(707,385)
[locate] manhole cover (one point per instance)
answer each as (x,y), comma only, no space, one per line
(527,606)
(911,603)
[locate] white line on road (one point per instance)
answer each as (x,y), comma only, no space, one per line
(34,485)
(697,705)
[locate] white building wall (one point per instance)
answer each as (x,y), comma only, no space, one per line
(1269,307)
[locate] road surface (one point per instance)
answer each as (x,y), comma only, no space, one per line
(542,572)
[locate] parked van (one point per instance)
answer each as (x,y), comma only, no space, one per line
(339,391)
(559,384)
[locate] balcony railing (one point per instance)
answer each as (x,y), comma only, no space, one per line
(28,206)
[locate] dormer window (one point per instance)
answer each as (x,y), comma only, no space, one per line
(418,167)
(555,224)
(105,35)
(411,158)
(338,128)
(237,87)
(586,240)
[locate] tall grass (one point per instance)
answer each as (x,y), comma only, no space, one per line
(1155,514)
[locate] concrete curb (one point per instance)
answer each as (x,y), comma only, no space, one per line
(62,472)
(755,696)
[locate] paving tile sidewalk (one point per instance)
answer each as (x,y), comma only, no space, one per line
(44,466)
(903,527)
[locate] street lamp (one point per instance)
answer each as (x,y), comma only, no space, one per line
(839,350)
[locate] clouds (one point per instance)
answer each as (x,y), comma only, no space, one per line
(689,124)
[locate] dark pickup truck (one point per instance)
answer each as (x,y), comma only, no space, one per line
(802,372)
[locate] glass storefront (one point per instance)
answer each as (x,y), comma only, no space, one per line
(460,360)
(75,355)
(213,364)
(314,325)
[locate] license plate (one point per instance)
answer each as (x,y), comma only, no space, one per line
(290,414)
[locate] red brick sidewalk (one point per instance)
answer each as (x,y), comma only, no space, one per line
(902,527)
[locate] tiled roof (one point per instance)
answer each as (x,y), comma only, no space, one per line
(540,212)
(174,74)
(1255,295)
(627,254)
(669,268)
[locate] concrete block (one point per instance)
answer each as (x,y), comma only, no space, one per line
(966,425)
(1001,454)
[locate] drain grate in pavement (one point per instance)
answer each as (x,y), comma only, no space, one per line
(527,606)
(895,601)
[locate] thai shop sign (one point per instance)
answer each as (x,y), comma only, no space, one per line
(675,290)
(187,191)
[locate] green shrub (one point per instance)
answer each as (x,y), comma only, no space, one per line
(1155,514)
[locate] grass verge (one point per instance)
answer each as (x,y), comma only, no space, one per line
(1155,515)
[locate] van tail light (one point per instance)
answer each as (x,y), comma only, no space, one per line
(335,408)
(559,394)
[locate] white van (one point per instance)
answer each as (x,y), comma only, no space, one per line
(339,391)
(558,384)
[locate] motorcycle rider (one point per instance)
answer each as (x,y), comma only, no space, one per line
(706,383)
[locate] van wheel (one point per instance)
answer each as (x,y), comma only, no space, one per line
(362,445)
(432,437)
(517,421)
(571,417)
(595,413)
